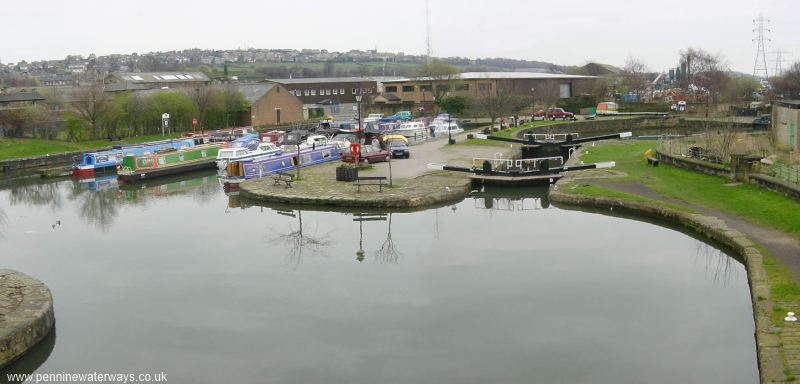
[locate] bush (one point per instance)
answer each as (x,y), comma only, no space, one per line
(77,129)
(575,103)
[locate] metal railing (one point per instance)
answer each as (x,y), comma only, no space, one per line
(786,172)
(523,165)
(550,137)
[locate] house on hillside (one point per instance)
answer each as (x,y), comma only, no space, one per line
(270,104)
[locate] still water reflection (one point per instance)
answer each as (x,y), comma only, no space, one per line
(175,276)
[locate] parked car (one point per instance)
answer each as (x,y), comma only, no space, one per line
(762,122)
(369,153)
(401,116)
(559,113)
(538,115)
(398,148)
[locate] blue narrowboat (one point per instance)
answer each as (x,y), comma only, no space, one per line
(257,167)
(98,162)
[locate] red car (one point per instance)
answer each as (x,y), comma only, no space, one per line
(538,115)
(369,153)
(559,113)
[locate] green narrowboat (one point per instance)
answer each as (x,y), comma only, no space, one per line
(169,162)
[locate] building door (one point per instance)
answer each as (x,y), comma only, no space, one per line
(277,115)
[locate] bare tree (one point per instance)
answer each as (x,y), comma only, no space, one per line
(204,99)
(91,104)
(388,252)
(440,76)
(634,75)
(497,104)
(549,92)
(787,85)
(234,101)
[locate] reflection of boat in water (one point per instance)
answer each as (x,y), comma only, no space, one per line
(100,183)
(511,198)
(170,185)
(137,168)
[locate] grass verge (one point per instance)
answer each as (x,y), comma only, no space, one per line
(15,148)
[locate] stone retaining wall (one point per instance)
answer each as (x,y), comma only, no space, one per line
(770,355)
(7,166)
(775,185)
(696,165)
(638,125)
(26,314)
(424,191)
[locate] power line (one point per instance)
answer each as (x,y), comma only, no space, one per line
(761,30)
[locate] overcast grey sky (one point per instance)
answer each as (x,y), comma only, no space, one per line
(562,32)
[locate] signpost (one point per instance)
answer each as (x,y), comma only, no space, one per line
(164,122)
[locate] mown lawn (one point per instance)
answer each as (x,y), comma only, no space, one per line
(756,204)
(14,148)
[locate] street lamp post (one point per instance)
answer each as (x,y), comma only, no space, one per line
(533,103)
(358,117)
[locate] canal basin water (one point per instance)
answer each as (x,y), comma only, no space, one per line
(179,278)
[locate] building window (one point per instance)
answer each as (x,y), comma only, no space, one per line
(313,92)
(422,88)
(369,90)
(327,92)
(443,88)
(408,88)
(462,87)
(354,90)
(335,91)
(485,86)
(322,92)
(391,89)
(341,91)
(306,92)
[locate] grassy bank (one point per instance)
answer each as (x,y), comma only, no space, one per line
(15,148)
(755,204)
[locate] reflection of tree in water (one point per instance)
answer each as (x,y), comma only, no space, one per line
(719,266)
(299,241)
(388,252)
(96,207)
(37,194)
(206,192)
(3,220)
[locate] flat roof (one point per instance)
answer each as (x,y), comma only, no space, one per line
(503,75)
(316,80)
(794,104)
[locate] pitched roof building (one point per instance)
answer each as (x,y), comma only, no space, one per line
(270,104)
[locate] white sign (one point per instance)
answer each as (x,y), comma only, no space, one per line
(165,116)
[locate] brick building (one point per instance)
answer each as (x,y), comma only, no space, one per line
(542,86)
(270,104)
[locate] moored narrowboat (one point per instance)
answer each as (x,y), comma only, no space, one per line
(238,171)
(109,160)
(168,162)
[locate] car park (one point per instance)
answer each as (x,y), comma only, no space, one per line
(369,154)
(398,148)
